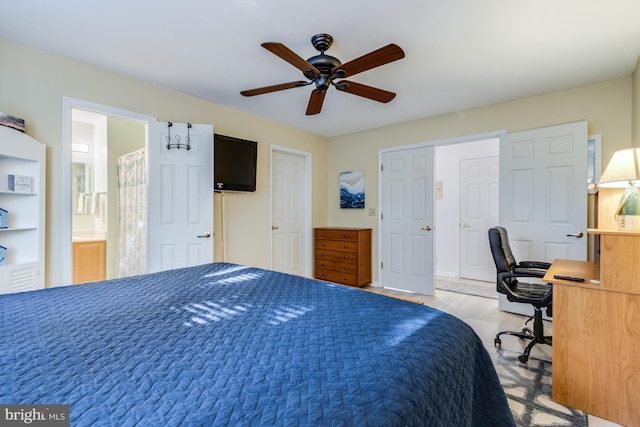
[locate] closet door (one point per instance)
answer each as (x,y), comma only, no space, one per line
(543,194)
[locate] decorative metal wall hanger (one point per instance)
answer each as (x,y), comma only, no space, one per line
(178,144)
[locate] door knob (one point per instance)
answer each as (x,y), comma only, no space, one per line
(577,234)
(426,228)
(273,227)
(205,235)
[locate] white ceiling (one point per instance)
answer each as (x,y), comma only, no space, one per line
(460,54)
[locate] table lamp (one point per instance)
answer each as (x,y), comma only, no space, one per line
(623,171)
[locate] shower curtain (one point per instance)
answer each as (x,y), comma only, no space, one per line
(132,214)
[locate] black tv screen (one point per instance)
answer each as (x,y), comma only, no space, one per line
(234,163)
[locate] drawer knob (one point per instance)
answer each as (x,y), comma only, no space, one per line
(346,267)
(346,257)
(324,243)
(324,254)
(346,246)
(346,236)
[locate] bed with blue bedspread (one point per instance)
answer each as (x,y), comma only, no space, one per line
(228,345)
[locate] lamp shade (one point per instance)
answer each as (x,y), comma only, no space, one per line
(623,169)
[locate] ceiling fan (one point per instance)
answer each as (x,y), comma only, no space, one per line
(323,71)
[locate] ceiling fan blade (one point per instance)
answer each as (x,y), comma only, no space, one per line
(290,56)
(365,91)
(384,55)
(273,88)
(315,102)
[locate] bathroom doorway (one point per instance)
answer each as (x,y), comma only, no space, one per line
(98,138)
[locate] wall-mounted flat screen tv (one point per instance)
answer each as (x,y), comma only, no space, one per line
(234,163)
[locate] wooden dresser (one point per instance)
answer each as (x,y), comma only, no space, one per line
(343,255)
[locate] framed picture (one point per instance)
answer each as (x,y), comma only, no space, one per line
(352,190)
(594,162)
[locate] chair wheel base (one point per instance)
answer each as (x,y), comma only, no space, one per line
(497,342)
(523,358)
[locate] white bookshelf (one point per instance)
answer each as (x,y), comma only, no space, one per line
(25,236)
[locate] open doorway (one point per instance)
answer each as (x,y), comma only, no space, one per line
(467,205)
(94,138)
(443,257)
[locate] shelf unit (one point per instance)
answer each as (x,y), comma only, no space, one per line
(25,236)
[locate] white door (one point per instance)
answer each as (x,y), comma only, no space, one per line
(407,220)
(543,195)
(180,196)
(289,239)
(479,192)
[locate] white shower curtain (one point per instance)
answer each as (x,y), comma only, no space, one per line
(132,214)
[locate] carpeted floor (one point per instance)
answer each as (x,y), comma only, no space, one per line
(528,389)
(465,286)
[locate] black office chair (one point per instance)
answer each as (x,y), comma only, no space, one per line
(539,295)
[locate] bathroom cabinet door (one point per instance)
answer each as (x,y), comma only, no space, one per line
(89,261)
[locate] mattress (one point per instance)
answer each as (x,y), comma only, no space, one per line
(224,344)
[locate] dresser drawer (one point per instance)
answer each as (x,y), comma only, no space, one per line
(322,254)
(323,233)
(336,245)
(337,277)
(345,267)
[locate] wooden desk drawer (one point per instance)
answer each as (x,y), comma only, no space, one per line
(322,254)
(335,245)
(337,277)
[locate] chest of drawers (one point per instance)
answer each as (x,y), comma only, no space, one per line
(343,255)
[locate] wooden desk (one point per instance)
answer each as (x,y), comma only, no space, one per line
(596,331)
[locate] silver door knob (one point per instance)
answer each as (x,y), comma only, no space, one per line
(426,228)
(205,235)
(577,234)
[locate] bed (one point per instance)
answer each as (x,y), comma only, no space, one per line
(230,345)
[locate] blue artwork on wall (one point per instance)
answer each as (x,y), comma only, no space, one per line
(352,190)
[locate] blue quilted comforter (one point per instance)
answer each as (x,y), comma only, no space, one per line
(228,345)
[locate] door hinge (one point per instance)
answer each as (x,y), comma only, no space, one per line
(382,168)
(381,265)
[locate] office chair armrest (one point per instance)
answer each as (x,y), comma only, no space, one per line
(519,273)
(530,272)
(505,284)
(535,264)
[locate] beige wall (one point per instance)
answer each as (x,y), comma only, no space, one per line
(636,107)
(123,137)
(606,106)
(33,83)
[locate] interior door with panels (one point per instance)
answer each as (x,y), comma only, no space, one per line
(180,195)
(407,220)
(543,194)
(288,213)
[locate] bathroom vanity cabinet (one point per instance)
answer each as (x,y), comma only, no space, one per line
(89,261)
